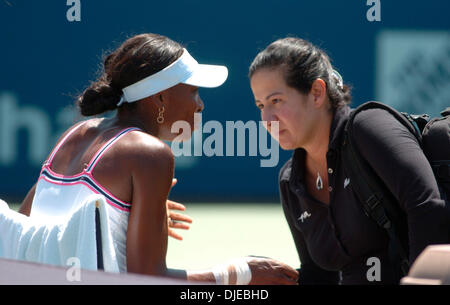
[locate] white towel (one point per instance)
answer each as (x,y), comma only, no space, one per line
(55,240)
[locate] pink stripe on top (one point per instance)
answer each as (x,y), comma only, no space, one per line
(50,176)
(58,195)
(125,209)
(106,147)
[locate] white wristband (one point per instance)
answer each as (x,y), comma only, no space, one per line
(243,272)
(221,274)
(242,269)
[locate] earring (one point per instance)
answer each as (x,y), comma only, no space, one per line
(160,118)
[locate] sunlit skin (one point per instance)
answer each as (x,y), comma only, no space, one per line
(139,169)
(304,120)
(185,102)
(180,103)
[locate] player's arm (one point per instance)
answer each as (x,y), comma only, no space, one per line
(152,173)
(152,167)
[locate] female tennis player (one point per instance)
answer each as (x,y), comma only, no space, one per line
(152,82)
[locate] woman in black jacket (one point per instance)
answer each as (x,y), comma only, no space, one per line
(295,86)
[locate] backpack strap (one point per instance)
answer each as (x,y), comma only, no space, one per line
(436,145)
(370,190)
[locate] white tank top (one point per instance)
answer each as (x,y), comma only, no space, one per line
(58,195)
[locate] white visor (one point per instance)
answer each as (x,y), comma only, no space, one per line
(184,70)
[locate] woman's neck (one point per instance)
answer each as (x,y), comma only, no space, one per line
(317,148)
(125,118)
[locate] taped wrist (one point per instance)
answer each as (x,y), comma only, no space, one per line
(240,267)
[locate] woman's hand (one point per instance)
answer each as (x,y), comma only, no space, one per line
(176,220)
(267,271)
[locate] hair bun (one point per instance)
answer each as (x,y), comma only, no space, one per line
(98,98)
(137,58)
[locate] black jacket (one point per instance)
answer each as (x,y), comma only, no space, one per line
(335,241)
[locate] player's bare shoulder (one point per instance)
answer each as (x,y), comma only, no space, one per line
(150,162)
(143,150)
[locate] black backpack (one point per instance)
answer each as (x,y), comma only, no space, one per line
(377,202)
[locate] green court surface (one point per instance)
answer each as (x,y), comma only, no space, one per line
(221,232)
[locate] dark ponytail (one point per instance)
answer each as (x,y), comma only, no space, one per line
(99,98)
(137,58)
(303,63)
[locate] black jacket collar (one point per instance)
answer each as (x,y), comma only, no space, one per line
(295,166)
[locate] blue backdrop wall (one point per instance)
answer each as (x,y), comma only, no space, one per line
(46,60)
